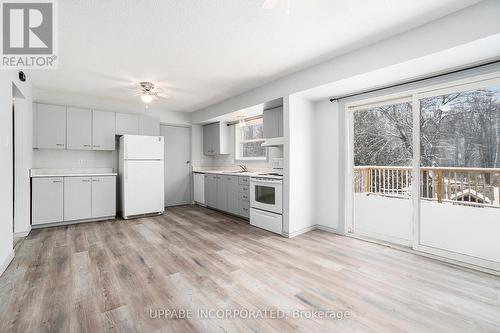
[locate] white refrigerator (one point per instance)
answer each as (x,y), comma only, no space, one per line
(141,175)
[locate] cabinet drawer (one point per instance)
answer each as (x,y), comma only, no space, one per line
(244,208)
(244,196)
(244,180)
(245,189)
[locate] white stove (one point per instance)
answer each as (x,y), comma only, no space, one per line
(266,201)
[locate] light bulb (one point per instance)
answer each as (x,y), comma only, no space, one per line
(146,98)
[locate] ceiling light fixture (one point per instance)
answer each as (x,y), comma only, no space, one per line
(146,98)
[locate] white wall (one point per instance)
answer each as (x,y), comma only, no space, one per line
(23,143)
(299,176)
(7,78)
(464,26)
(67,159)
(327,160)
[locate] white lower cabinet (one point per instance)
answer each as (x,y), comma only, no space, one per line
(47,200)
(103,196)
(211,190)
(67,199)
(77,198)
(223,192)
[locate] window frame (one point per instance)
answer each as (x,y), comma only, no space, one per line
(238,143)
(451,85)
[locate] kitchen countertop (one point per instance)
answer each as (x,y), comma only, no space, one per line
(41,173)
(241,174)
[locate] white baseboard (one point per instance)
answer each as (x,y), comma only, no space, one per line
(311,228)
(23,233)
(299,232)
(328,229)
(58,224)
(6,262)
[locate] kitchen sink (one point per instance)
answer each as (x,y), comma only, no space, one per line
(236,172)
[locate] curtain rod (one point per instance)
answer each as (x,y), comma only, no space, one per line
(414,81)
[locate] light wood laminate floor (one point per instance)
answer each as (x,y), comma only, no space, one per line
(108,276)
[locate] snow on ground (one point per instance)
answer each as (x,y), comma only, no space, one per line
(473,231)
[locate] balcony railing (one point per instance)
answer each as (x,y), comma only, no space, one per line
(463,186)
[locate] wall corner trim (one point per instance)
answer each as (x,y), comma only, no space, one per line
(23,233)
(6,262)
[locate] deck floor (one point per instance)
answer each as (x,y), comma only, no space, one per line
(115,276)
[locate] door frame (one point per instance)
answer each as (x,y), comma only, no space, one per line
(190,127)
(414,94)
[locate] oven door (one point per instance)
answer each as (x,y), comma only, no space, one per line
(266,194)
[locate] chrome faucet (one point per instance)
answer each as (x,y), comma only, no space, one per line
(244,168)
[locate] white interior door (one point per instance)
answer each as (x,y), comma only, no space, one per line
(177,165)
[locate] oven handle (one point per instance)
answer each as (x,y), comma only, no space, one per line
(265,180)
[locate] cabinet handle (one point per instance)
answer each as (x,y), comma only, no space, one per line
(96,180)
(86,145)
(85,180)
(57,181)
(60,144)
(97,146)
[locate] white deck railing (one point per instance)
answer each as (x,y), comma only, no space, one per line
(465,186)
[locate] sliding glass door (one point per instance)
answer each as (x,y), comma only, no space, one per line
(382,137)
(459,173)
(425,171)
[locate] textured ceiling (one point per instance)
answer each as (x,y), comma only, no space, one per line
(203,51)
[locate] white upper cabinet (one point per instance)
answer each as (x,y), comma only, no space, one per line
(149,126)
(127,124)
(90,130)
(49,126)
(215,139)
(273,122)
(79,129)
(103,133)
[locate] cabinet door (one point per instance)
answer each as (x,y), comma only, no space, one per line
(103,130)
(127,124)
(211,190)
(270,123)
(221,193)
(199,188)
(232,194)
(215,138)
(47,200)
(50,126)
(79,125)
(208,140)
(103,196)
(279,116)
(149,126)
(77,198)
